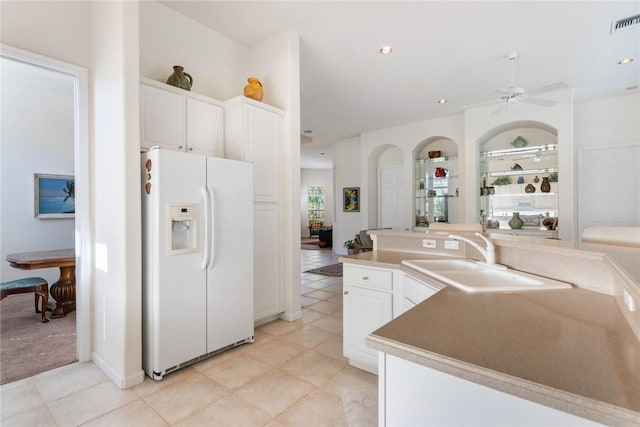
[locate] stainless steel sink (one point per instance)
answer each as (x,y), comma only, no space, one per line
(472,276)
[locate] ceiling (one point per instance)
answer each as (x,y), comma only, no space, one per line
(441,49)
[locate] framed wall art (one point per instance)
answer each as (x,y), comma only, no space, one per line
(351,199)
(54,196)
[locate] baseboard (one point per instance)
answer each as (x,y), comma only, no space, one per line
(119,380)
(290,317)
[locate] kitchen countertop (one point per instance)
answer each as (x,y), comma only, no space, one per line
(571,349)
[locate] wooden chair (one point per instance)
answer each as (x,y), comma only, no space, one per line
(362,242)
(28,284)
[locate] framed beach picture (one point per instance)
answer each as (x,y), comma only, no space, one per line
(54,196)
(351,199)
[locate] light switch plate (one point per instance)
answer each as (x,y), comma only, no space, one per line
(428,243)
(452,244)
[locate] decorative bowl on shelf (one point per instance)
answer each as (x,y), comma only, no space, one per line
(434,154)
(519,142)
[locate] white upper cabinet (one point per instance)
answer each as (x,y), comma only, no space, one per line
(253,132)
(177,119)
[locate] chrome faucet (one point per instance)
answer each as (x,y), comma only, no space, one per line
(489,253)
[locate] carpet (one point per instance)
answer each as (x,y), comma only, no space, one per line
(29,347)
(310,244)
(334,270)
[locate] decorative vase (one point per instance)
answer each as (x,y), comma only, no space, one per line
(253,90)
(530,188)
(545,187)
(180,79)
(516,222)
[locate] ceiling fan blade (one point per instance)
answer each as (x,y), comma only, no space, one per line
(547,88)
(539,101)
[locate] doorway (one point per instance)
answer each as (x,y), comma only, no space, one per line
(81,230)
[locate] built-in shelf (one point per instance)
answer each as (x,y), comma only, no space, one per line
(436,195)
(533,165)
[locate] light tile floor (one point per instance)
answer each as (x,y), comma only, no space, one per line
(294,374)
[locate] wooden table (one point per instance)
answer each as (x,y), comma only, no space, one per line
(64,290)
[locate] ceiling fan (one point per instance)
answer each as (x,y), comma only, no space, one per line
(515,94)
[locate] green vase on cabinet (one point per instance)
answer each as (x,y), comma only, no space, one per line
(516,222)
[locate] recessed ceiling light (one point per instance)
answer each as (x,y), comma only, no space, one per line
(442,101)
(322,154)
(634,87)
(625,61)
(385,50)
(306,131)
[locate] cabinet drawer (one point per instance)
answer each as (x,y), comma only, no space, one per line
(372,278)
(415,290)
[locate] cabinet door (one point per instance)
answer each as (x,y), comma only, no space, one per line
(365,310)
(163,119)
(204,128)
(262,147)
(414,292)
(267,294)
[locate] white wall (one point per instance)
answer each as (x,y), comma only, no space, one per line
(58,29)
(168,38)
(117,294)
(347,174)
(609,121)
(409,139)
(37,116)
(310,177)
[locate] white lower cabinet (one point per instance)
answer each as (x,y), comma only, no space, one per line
(434,398)
(372,297)
(368,304)
(414,291)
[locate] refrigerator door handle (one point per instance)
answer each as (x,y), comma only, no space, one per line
(207,213)
(212,242)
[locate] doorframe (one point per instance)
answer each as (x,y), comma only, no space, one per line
(82,161)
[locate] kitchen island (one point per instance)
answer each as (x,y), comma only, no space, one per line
(573,352)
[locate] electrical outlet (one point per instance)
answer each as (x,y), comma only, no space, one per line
(452,244)
(428,243)
(629,301)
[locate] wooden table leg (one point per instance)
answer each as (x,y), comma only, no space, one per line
(64,292)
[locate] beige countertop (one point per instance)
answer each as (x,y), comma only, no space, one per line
(570,349)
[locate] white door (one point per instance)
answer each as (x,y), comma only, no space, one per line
(608,186)
(230,271)
(391,197)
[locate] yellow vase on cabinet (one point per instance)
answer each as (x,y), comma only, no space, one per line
(253,90)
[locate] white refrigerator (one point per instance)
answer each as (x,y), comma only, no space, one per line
(197,223)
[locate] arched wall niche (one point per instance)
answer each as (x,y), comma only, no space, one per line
(534,132)
(445,145)
(383,155)
(423,207)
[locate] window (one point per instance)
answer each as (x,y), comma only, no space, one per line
(315,204)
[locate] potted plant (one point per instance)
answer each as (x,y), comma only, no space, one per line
(351,247)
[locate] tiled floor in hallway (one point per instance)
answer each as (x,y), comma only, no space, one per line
(294,374)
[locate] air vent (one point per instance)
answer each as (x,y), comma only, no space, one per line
(621,24)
